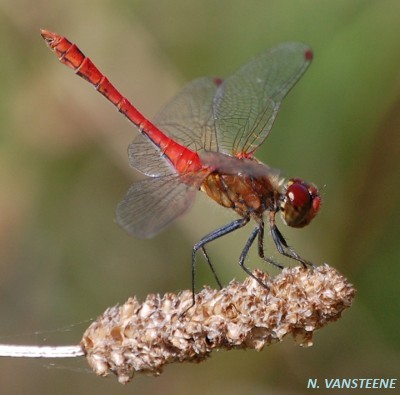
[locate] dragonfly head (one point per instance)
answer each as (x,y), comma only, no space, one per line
(300,203)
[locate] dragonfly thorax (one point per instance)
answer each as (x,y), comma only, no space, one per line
(244,185)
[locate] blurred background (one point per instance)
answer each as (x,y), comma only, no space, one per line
(64,168)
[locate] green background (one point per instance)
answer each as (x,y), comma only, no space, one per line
(63,169)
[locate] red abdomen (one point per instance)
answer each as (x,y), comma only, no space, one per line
(182,158)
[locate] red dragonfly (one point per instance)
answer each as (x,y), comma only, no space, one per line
(205,139)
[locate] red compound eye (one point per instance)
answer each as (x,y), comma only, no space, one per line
(300,203)
(298,195)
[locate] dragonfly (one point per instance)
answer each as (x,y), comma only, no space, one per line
(205,139)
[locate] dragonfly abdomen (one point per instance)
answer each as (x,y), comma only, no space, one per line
(182,158)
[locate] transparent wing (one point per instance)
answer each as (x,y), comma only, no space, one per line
(188,117)
(151,204)
(246,103)
(147,158)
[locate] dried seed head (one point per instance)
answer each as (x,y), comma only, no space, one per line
(142,337)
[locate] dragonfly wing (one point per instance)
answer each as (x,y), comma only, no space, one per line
(246,104)
(146,157)
(151,204)
(188,117)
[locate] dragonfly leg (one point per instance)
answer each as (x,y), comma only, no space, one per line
(203,250)
(244,253)
(237,224)
(282,245)
(261,247)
